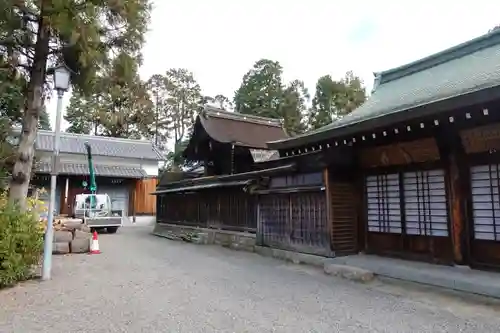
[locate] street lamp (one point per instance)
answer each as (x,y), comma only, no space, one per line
(61,85)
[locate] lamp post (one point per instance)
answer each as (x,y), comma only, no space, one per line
(61,85)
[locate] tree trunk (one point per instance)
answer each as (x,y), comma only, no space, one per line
(26,151)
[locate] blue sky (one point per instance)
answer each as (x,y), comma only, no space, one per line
(219,40)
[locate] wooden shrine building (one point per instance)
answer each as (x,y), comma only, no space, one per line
(413,172)
(425,176)
(228,145)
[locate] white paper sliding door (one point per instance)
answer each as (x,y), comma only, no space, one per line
(383,201)
(485,183)
(425,209)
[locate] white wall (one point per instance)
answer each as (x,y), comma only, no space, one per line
(149,166)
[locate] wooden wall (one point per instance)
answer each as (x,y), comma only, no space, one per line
(481,139)
(144,202)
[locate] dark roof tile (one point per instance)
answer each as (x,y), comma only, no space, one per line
(101,146)
(463,69)
(240,129)
(67,168)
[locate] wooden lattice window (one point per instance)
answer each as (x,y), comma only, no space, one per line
(383,200)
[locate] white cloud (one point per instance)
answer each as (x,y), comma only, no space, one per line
(219,40)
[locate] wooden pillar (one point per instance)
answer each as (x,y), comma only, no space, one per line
(260,230)
(457,211)
(329,217)
(453,154)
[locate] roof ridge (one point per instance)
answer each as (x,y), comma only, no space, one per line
(487,40)
(216,112)
(98,137)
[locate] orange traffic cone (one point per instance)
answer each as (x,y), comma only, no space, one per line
(94,245)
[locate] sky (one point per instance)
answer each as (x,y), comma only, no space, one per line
(220,40)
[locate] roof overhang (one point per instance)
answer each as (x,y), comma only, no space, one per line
(477,97)
(78,169)
(238,179)
(191,188)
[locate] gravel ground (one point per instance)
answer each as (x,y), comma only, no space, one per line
(141,283)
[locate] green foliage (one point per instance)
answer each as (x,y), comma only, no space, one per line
(12,87)
(6,150)
(118,106)
(294,107)
(222,102)
(87,35)
(21,243)
(334,99)
(261,90)
(177,99)
(174,158)
(264,94)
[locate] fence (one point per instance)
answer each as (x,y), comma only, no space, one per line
(228,209)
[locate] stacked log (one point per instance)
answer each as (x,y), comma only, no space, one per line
(70,236)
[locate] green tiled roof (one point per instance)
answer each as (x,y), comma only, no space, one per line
(460,70)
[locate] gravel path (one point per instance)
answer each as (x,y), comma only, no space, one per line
(141,283)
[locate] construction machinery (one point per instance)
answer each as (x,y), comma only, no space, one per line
(95,209)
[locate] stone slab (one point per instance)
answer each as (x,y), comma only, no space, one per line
(294,257)
(206,236)
(348,272)
(62,236)
(78,234)
(72,223)
(60,248)
(80,245)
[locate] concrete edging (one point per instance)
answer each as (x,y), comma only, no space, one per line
(344,271)
(204,236)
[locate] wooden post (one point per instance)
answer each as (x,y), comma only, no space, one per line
(329,217)
(452,152)
(259,233)
(457,215)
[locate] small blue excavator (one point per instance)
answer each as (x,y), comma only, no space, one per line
(95,209)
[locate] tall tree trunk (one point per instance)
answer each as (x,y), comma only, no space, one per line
(26,151)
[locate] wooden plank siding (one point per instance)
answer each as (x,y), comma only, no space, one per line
(144,202)
(226,208)
(293,214)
